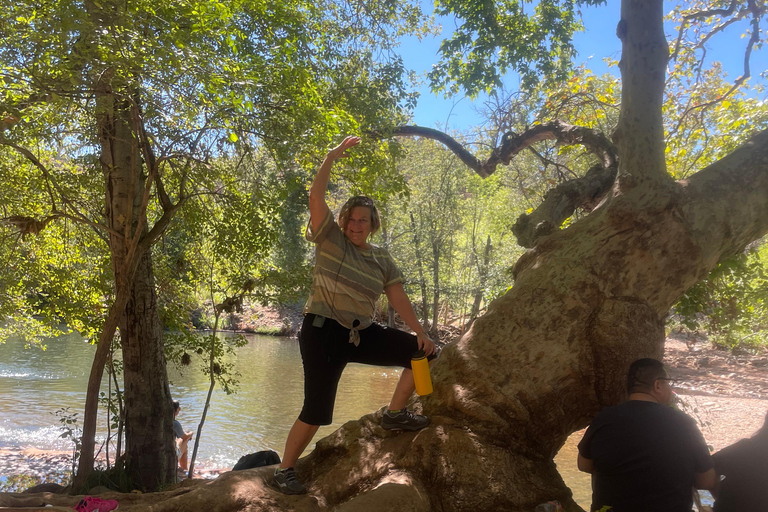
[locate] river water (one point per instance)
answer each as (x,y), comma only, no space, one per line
(34,384)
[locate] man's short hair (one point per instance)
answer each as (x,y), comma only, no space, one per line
(643,373)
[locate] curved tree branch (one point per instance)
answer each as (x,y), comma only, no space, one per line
(565,134)
(561,201)
(37,163)
(455,146)
(700,15)
(29,225)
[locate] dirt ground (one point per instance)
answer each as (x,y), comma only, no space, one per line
(727,393)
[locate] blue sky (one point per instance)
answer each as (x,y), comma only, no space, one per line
(593,45)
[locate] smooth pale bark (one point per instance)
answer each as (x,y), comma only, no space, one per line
(639,135)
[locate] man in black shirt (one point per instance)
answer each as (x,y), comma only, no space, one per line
(645,456)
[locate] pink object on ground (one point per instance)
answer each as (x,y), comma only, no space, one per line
(90,504)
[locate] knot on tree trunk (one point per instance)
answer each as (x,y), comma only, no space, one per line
(561,202)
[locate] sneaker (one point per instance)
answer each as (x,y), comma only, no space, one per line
(287,483)
(90,504)
(403,420)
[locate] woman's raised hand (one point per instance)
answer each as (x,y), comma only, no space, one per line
(340,151)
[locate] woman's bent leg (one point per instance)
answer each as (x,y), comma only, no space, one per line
(298,439)
(403,391)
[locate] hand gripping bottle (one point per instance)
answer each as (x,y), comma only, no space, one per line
(421,377)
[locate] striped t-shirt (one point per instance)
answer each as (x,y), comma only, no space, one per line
(347,280)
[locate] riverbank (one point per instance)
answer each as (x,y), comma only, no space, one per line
(727,394)
(253,319)
(21,468)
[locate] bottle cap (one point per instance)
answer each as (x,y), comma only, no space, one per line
(419,354)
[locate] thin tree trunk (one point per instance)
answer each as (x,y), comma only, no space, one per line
(482,282)
(85,464)
(208,397)
(422,281)
(120,412)
(211,365)
(436,288)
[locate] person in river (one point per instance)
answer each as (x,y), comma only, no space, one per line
(349,277)
(743,467)
(182,438)
(643,454)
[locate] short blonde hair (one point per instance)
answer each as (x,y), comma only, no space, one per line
(355,201)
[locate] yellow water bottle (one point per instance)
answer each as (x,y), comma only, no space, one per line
(421,377)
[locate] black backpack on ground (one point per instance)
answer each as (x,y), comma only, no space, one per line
(258,459)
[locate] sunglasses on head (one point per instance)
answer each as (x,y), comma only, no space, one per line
(361,201)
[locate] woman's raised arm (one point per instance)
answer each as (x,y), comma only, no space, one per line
(317,205)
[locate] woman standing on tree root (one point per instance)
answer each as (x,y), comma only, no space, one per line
(350,275)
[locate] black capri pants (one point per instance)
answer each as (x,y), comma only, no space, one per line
(326,350)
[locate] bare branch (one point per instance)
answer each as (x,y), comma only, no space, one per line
(700,15)
(753,40)
(548,161)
